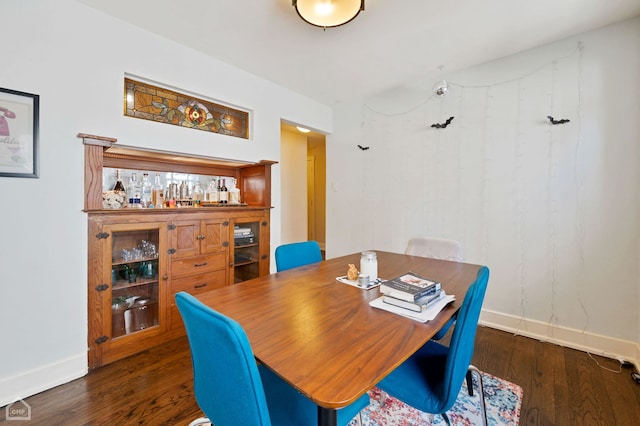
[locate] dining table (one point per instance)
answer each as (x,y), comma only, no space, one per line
(321,335)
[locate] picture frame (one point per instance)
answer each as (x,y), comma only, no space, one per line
(19,138)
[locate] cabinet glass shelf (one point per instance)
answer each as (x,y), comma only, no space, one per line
(129,262)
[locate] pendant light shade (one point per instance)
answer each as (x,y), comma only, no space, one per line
(328,13)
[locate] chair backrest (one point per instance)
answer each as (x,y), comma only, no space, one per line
(436,248)
(463,338)
(227,383)
(292,255)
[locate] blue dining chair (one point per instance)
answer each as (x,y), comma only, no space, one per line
(430,379)
(292,255)
(436,248)
(230,387)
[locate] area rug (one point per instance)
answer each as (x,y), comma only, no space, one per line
(503,400)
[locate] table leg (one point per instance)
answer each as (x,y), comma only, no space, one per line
(327,416)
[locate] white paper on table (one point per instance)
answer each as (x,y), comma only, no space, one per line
(355,283)
(427,315)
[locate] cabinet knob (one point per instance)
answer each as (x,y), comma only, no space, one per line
(225,244)
(165,277)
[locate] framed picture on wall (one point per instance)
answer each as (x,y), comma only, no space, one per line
(19,113)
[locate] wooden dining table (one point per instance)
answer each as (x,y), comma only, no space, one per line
(322,337)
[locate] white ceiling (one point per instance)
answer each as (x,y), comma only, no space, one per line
(391,44)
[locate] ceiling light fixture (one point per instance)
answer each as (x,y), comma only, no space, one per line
(328,13)
(302,129)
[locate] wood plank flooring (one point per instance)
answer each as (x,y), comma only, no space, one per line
(561,387)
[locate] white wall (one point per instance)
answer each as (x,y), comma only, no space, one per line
(293,166)
(76,58)
(552,210)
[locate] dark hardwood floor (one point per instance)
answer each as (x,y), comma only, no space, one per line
(561,387)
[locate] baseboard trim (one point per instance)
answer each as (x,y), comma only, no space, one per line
(576,339)
(39,379)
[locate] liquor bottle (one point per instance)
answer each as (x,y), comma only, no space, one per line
(173,192)
(119,186)
(146,190)
(157,194)
(212,192)
(216,192)
(224,193)
(184,191)
(189,190)
(134,191)
(234,193)
(197,193)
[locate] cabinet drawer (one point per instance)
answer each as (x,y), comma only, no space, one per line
(198,283)
(198,265)
(195,284)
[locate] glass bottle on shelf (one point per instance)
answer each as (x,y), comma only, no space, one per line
(119,186)
(234,193)
(173,192)
(157,192)
(224,193)
(206,193)
(213,192)
(183,191)
(197,193)
(189,190)
(146,191)
(134,191)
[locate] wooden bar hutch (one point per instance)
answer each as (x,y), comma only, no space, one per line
(131,302)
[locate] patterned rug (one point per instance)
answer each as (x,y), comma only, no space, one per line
(503,400)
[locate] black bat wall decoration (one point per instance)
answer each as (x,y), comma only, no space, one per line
(564,120)
(442,125)
(364,148)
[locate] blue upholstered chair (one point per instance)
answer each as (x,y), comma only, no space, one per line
(430,379)
(230,387)
(292,255)
(436,248)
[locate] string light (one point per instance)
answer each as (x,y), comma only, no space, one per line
(578,49)
(434,181)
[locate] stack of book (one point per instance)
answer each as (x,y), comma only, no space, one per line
(243,236)
(410,291)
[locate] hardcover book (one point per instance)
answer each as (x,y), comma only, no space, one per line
(409,287)
(419,305)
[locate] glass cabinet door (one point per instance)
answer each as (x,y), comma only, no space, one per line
(135,272)
(246,251)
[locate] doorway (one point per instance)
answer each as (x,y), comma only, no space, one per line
(303,185)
